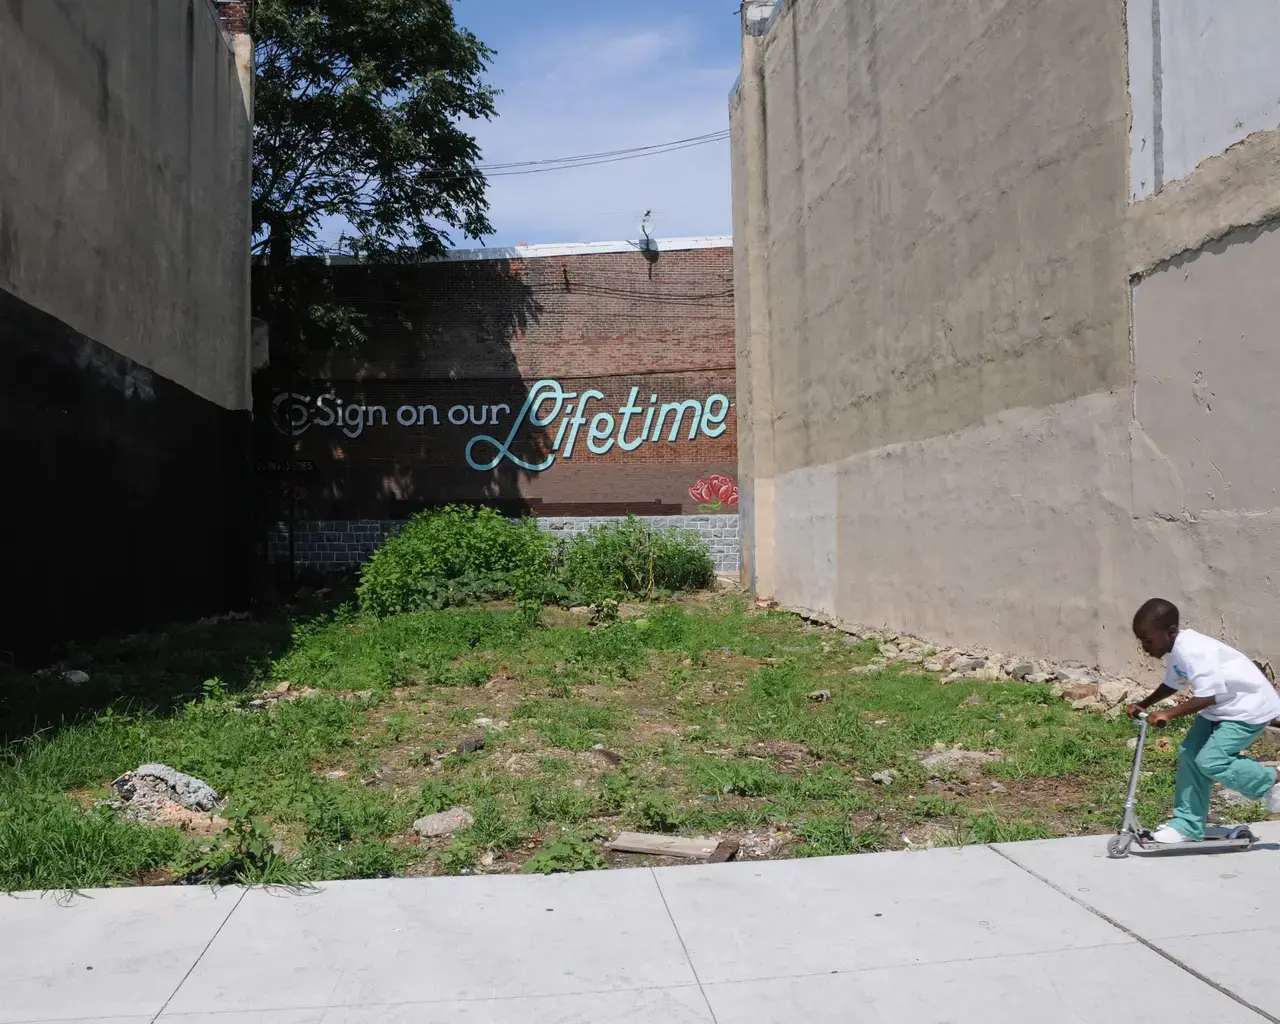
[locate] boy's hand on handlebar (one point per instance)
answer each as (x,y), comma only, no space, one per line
(1159,719)
(1134,710)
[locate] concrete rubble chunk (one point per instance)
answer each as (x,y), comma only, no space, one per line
(77,677)
(445,823)
(192,793)
(1076,675)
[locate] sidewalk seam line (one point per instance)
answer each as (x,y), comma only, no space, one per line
(196,963)
(1138,938)
(688,959)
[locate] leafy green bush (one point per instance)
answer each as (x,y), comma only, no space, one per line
(565,855)
(451,557)
(458,555)
(632,558)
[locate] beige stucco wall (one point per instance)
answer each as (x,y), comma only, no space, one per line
(953,326)
(125,148)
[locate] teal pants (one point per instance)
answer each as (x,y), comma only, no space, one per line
(1212,753)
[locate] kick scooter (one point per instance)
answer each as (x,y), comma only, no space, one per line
(1131,830)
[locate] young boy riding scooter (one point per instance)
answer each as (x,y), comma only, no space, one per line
(1234,702)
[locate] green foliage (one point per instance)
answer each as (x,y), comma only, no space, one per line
(453,556)
(245,854)
(564,854)
(460,554)
(656,812)
(360,113)
(828,837)
(634,559)
(47,842)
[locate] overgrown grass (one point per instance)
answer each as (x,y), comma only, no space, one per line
(690,717)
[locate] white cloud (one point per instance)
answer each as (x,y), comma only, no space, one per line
(596,90)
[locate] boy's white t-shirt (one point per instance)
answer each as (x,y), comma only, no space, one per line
(1212,669)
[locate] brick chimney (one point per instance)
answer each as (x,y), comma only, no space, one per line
(237,20)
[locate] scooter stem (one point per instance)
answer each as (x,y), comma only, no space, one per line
(1131,799)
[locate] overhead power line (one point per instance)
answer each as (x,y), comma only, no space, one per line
(503,170)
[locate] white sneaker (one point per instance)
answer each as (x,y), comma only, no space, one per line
(1272,799)
(1166,834)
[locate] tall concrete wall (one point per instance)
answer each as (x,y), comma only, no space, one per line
(127,152)
(938,314)
(125,354)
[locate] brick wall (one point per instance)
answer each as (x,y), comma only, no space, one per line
(235,15)
(336,545)
(469,339)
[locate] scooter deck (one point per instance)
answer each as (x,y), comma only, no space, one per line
(1226,840)
(1149,849)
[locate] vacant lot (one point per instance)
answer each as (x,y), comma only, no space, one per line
(702,716)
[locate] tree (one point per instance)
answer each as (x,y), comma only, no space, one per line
(357,114)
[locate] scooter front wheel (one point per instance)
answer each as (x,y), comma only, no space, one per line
(1118,846)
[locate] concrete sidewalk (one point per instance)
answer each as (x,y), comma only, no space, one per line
(1051,931)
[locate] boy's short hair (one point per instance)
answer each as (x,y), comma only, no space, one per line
(1157,612)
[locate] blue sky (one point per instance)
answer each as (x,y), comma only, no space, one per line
(584,77)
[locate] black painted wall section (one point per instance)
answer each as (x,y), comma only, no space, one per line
(125,499)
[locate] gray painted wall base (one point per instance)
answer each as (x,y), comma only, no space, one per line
(335,545)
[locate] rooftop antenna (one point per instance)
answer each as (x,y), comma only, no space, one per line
(647,243)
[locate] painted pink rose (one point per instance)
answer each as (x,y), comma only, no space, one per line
(714,493)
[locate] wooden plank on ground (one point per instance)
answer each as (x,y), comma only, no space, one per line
(663,846)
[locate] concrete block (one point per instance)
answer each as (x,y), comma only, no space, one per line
(1143,894)
(877,910)
(116,953)
(455,939)
(1065,987)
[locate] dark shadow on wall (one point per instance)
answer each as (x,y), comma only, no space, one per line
(436,337)
(126,501)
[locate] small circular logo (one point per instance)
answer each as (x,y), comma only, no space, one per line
(291,414)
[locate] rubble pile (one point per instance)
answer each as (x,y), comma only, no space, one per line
(157,794)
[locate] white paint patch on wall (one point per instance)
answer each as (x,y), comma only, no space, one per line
(1203,75)
(806,539)
(1208,381)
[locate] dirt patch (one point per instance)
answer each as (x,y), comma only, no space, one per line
(956,759)
(786,755)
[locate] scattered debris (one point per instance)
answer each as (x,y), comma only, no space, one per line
(336,776)
(217,620)
(489,723)
(469,744)
(612,758)
(726,851)
(664,846)
(445,823)
(157,794)
(975,699)
(884,778)
(1079,691)
(283,692)
(76,677)
(957,757)
(820,695)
